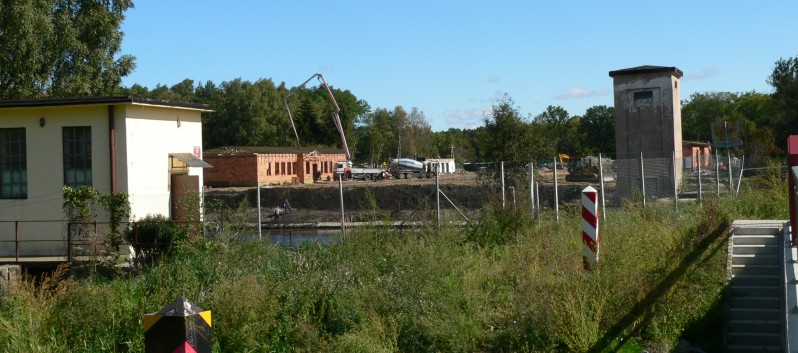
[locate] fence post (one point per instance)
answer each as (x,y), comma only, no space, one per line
(601,182)
(438,192)
(728,167)
(700,196)
(512,193)
(556,193)
(740,179)
(675,184)
(537,201)
(260,223)
(502,177)
(590,229)
(642,179)
(181,326)
(341,196)
(531,190)
(717,172)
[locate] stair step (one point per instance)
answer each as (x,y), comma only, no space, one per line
(760,259)
(754,338)
(755,240)
(755,280)
(760,326)
(753,314)
(755,249)
(754,302)
(755,291)
(750,349)
(756,231)
(754,269)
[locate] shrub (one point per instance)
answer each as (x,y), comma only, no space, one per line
(153,237)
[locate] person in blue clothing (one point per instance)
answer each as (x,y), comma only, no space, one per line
(287,207)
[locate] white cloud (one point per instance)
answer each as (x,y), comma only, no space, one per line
(494,78)
(578,92)
(466,119)
(702,74)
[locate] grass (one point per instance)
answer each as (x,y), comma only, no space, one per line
(508,285)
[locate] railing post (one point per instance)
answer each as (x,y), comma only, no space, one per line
(792,161)
(69,241)
(16,237)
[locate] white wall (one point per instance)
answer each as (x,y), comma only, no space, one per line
(150,134)
(45,172)
(147,134)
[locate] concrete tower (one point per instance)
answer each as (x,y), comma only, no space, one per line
(648,119)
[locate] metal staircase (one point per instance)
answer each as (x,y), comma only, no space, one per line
(755,305)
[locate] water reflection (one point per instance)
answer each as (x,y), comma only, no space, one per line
(291,237)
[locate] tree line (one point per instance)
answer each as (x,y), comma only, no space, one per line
(67,48)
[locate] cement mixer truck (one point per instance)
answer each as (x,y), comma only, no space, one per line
(408,168)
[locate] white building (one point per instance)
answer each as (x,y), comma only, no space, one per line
(447,164)
(150,150)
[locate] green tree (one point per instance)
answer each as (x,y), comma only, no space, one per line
(598,130)
(784,80)
(506,135)
(702,109)
(26,55)
(376,136)
(62,48)
(554,123)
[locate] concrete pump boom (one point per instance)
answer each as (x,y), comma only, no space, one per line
(335,116)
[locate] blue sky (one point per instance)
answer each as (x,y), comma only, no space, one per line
(454,59)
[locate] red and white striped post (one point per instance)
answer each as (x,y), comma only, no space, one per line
(590,228)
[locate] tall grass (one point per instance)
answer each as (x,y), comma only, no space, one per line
(508,284)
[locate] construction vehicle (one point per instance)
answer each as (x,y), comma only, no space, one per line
(346,170)
(343,169)
(408,168)
(583,169)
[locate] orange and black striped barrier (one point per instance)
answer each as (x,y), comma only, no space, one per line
(181,326)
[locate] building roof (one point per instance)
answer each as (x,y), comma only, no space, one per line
(250,150)
(99,100)
(647,69)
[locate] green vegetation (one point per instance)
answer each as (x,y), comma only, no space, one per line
(509,284)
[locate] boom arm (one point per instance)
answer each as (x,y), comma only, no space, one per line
(336,118)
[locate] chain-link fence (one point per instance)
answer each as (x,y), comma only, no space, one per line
(555,184)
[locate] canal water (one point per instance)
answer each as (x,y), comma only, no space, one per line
(291,237)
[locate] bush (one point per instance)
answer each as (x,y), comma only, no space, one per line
(153,237)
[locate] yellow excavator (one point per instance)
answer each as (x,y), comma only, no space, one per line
(583,169)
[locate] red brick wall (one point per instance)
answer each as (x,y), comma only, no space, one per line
(277,168)
(268,169)
(230,171)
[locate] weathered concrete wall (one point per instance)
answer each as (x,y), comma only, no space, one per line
(648,120)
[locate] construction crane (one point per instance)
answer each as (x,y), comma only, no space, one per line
(336,117)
